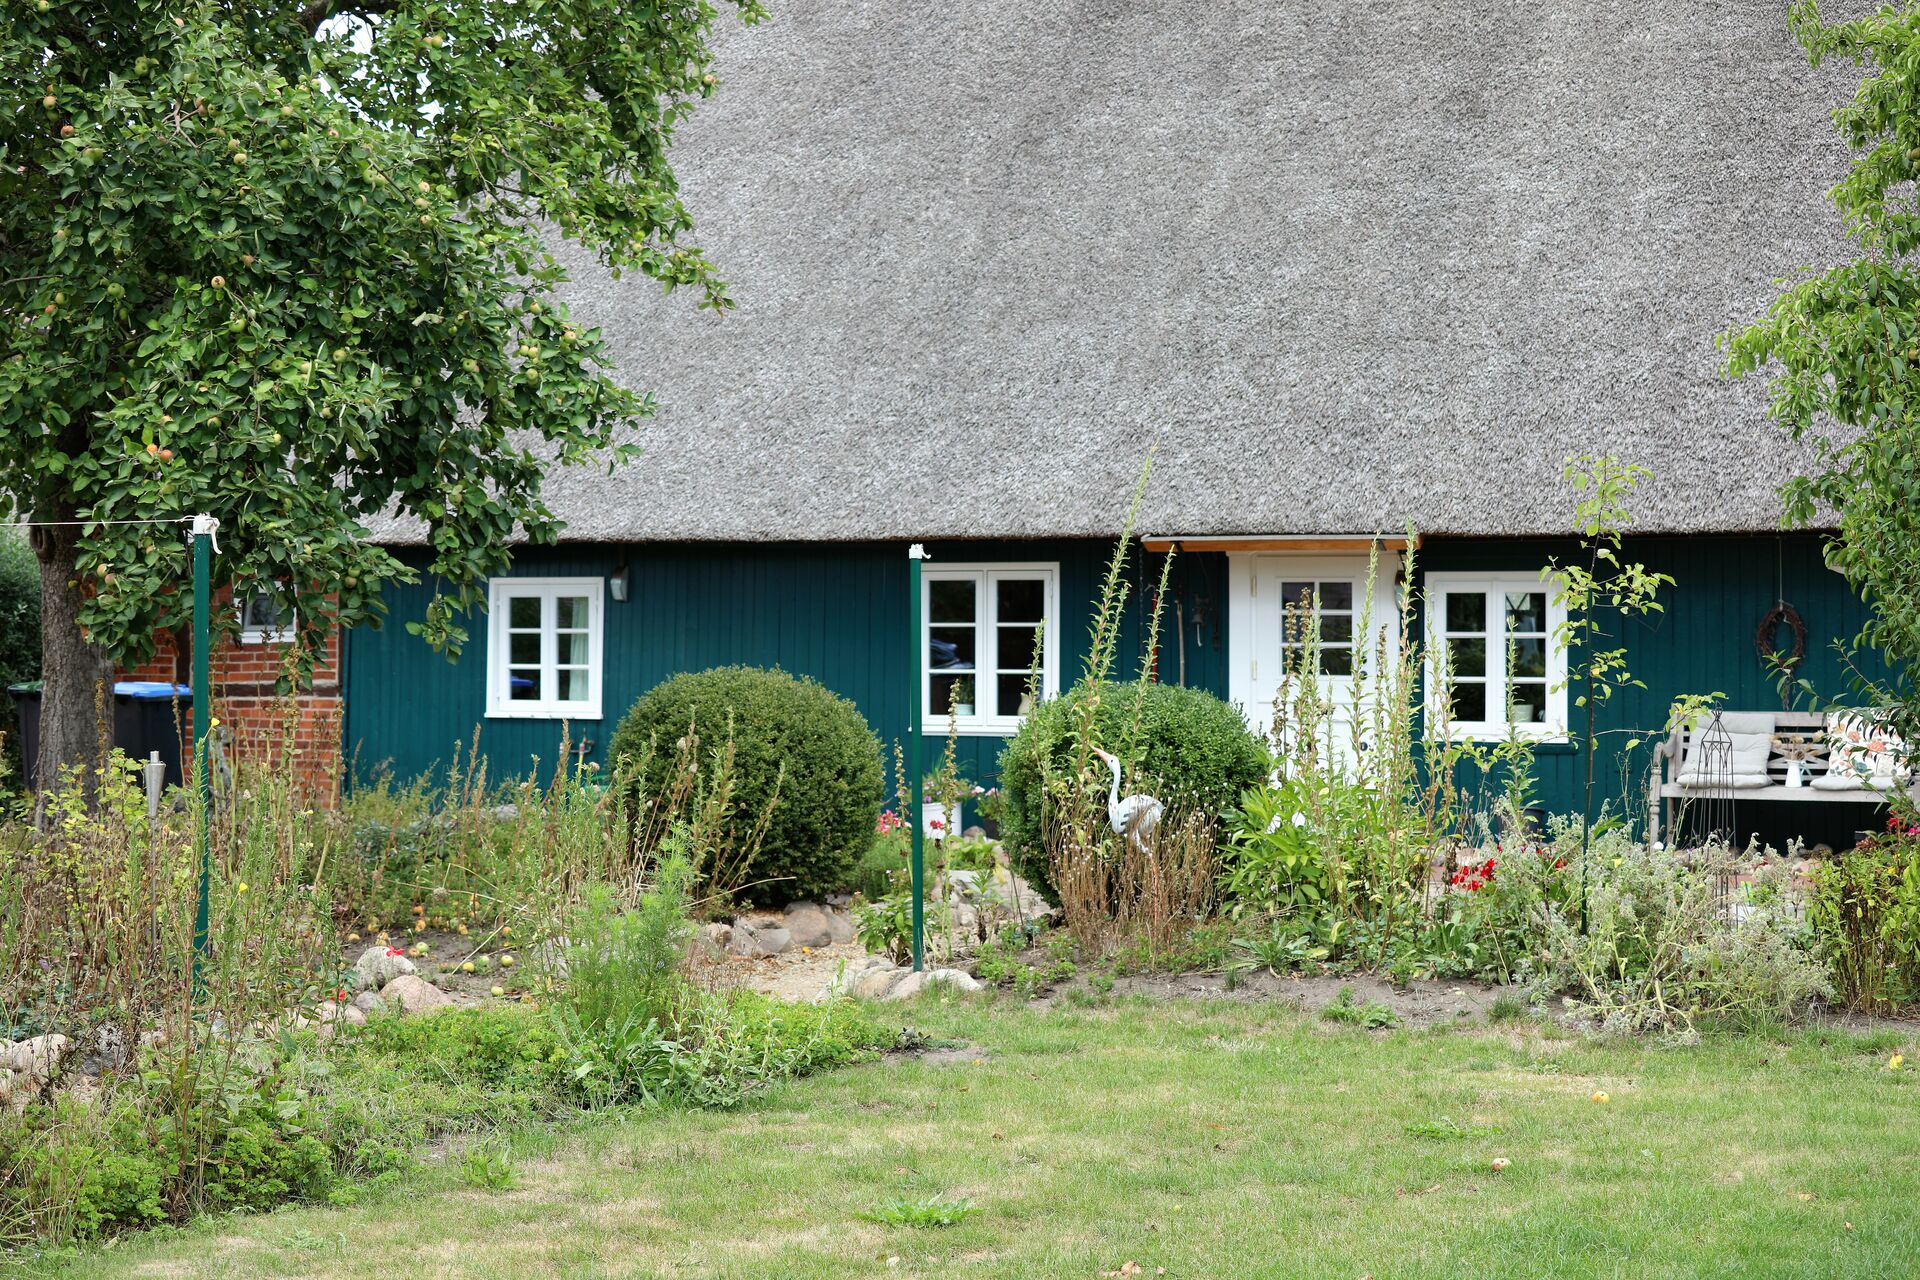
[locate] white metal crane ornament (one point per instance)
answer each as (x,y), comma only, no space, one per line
(1137,817)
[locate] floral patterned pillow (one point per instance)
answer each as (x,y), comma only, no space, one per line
(1862,748)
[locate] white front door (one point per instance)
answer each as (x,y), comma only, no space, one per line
(1273,597)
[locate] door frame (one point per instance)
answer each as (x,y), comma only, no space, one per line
(1251,689)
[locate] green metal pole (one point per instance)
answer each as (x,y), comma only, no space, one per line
(203,527)
(917,786)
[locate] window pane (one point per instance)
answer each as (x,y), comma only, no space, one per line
(1469,702)
(523,684)
(948,690)
(523,611)
(1016,648)
(1337,630)
(1467,657)
(523,647)
(570,612)
(950,601)
(1527,702)
(1527,612)
(570,648)
(1466,611)
(1013,696)
(1336,662)
(1529,658)
(1022,599)
(950,647)
(573,685)
(1336,596)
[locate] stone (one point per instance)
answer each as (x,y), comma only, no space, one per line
(954,979)
(876,982)
(6,1087)
(744,940)
(411,994)
(332,1011)
(775,940)
(367,1002)
(974,832)
(717,937)
(806,923)
(379,965)
(907,987)
(39,1057)
(847,976)
(839,927)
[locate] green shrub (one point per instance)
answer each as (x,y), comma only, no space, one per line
(1197,750)
(794,740)
(1865,914)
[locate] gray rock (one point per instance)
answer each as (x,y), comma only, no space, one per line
(6,1087)
(775,940)
(744,940)
(847,977)
(379,965)
(839,928)
(367,1002)
(412,995)
(876,982)
(38,1057)
(955,979)
(716,937)
(807,923)
(907,987)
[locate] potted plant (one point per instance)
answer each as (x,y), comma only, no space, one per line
(963,696)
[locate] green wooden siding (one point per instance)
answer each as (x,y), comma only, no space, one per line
(838,613)
(1702,643)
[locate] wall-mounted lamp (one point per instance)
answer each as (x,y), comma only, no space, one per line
(619,582)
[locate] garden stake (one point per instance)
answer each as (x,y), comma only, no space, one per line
(203,531)
(915,554)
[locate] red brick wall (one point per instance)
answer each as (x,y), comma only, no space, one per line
(266,724)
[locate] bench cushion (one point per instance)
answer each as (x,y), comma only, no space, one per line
(1734,782)
(1861,750)
(1748,758)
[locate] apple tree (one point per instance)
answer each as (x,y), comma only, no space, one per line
(1842,345)
(289,265)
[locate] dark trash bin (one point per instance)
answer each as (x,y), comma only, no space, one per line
(143,722)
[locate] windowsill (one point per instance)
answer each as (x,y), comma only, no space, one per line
(543,713)
(974,728)
(1490,734)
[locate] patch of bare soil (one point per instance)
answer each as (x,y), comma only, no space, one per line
(797,974)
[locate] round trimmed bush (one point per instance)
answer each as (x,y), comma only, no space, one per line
(830,798)
(1196,749)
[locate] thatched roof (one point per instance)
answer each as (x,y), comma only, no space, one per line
(1344,266)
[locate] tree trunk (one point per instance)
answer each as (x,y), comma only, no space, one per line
(76,695)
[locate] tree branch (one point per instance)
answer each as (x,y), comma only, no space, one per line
(315,12)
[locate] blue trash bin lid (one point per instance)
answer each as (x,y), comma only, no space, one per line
(151,691)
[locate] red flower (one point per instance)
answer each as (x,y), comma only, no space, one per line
(395,951)
(340,995)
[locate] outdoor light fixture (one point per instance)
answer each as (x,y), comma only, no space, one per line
(617,583)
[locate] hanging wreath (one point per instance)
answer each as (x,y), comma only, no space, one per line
(1764,637)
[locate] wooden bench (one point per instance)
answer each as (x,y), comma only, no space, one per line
(1808,729)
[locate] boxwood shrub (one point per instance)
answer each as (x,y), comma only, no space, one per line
(1196,749)
(830,799)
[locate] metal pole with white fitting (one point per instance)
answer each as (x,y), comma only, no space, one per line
(204,529)
(917,787)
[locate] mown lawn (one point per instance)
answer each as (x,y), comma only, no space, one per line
(1210,1140)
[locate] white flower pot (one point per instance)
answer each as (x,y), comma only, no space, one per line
(936,823)
(963,709)
(1796,775)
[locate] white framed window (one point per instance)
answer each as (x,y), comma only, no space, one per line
(980,624)
(264,620)
(1492,653)
(544,647)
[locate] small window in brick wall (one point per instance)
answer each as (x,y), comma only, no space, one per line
(263,620)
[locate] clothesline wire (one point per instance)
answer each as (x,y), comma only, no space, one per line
(54,524)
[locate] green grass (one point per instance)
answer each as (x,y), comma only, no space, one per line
(1209,1140)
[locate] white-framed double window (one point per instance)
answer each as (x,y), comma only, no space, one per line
(1494,663)
(544,647)
(982,628)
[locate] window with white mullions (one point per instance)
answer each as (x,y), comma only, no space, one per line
(1493,656)
(1323,609)
(543,655)
(985,626)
